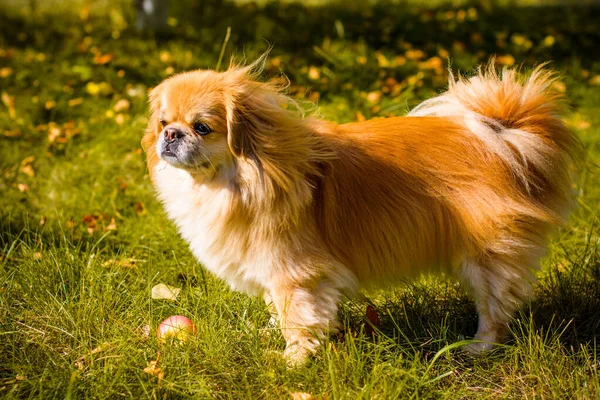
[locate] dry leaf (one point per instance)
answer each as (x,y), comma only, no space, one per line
(373,320)
(374,97)
(140,209)
(301,396)
(120,119)
(13,133)
(154,370)
(165,292)
(23,187)
(102,59)
(112,226)
(314,73)
(9,102)
(122,105)
(5,72)
(75,102)
(415,54)
(27,167)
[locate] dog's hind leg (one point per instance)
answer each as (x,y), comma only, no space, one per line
(500,283)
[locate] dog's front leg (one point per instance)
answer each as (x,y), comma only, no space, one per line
(307,315)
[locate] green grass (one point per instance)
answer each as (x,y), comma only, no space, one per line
(83,240)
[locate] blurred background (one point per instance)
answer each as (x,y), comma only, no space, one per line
(82,237)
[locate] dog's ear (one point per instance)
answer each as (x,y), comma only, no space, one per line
(250,109)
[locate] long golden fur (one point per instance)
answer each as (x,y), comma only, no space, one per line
(303,211)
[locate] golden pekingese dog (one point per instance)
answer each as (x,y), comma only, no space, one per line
(304,211)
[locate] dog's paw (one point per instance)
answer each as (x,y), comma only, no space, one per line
(479,348)
(299,353)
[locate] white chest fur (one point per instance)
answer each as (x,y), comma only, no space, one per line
(201,212)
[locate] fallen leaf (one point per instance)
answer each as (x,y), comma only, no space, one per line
(314,73)
(165,56)
(165,292)
(5,72)
(505,60)
(122,105)
(374,97)
(415,54)
(145,331)
(559,86)
(13,133)
(102,59)
(140,209)
(23,187)
(27,166)
(301,396)
(154,370)
(120,119)
(75,102)
(9,102)
(373,321)
(112,226)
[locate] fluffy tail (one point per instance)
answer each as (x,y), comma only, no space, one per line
(518,119)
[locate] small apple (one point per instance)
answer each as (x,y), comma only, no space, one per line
(177,327)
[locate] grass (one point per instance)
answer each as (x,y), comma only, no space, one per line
(83,240)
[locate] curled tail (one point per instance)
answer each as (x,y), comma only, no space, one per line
(518,119)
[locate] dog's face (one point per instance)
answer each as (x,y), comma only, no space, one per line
(188,126)
(211,123)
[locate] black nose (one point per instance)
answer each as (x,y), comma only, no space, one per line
(172,134)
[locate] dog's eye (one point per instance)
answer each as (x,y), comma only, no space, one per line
(201,128)
(163,123)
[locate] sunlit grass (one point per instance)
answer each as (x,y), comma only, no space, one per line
(83,240)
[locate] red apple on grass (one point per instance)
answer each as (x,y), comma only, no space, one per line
(177,327)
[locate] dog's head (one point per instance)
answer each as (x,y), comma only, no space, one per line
(205,120)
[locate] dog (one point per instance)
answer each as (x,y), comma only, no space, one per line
(304,211)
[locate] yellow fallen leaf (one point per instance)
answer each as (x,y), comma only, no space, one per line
(5,72)
(27,167)
(154,370)
(165,56)
(314,73)
(505,60)
(112,226)
(415,54)
(9,102)
(374,97)
(120,119)
(121,105)
(75,102)
(165,292)
(559,86)
(102,59)
(301,396)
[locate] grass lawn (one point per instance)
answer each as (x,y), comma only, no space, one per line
(83,239)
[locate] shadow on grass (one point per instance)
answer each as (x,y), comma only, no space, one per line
(427,318)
